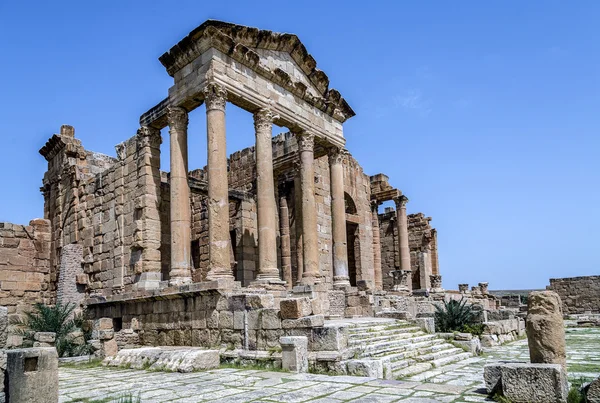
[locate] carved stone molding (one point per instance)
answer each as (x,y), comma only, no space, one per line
(306,141)
(400,201)
(337,155)
(215,97)
(177,117)
(263,119)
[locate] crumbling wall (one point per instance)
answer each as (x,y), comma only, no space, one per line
(25,276)
(420,238)
(578,294)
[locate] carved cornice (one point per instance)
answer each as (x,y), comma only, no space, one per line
(215,97)
(400,201)
(306,141)
(177,118)
(263,120)
(237,41)
(149,137)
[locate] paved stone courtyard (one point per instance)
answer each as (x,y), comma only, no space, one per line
(459,382)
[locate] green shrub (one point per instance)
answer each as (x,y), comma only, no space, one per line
(58,319)
(453,316)
(475,329)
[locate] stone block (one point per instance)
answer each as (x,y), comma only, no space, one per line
(463,336)
(103,334)
(269,319)
(3,326)
(295,308)
(32,375)
(14,340)
(534,383)
(45,337)
(110,348)
(492,375)
(180,359)
(545,328)
(307,321)
(426,324)
(593,391)
(103,324)
(369,368)
(294,354)
(329,338)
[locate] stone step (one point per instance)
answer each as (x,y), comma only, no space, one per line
(440,362)
(377,326)
(450,351)
(382,333)
(384,338)
(409,350)
(395,344)
(412,369)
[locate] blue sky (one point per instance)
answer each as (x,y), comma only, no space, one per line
(485,114)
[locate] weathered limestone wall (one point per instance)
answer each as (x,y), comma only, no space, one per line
(422,238)
(578,294)
(25,276)
(107,205)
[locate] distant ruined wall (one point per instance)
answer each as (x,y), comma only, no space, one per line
(578,294)
(25,276)
(421,238)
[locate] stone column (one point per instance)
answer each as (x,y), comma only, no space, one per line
(284,239)
(219,243)
(268,272)
(338,217)
(311,273)
(298,223)
(180,272)
(376,245)
(402,223)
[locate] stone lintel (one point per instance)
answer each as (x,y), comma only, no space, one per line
(385,195)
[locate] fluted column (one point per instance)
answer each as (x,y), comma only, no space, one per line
(268,273)
(311,273)
(338,215)
(284,239)
(376,245)
(219,243)
(402,223)
(180,271)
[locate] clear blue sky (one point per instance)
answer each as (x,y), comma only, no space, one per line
(485,114)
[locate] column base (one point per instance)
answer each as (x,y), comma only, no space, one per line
(341,282)
(215,274)
(312,279)
(268,284)
(148,281)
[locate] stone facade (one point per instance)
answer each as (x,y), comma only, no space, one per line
(578,294)
(26,276)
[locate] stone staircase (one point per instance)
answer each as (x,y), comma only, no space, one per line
(402,349)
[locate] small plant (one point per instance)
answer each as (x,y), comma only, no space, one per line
(475,329)
(453,316)
(128,398)
(60,320)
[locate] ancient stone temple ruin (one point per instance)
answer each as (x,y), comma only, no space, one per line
(280,239)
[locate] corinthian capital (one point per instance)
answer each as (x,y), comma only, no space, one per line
(400,201)
(177,117)
(215,96)
(306,141)
(337,155)
(263,119)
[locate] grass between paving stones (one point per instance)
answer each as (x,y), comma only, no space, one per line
(92,363)
(583,367)
(123,398)
(256,365)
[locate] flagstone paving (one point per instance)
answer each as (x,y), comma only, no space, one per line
(458,382)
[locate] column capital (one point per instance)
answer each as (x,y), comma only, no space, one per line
(400,201)
(375,205)
(177,117)
(337,155)
(306,141)
(215,97)
(263,119)
(148,137)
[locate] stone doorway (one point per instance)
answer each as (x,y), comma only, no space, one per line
(353,250)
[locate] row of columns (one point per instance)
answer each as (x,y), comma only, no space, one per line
(268,275)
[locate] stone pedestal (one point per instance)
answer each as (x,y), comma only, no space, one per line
(338,215)
(436,283)
(219,243)
(32,375)
(545,328)
(294,354)
(180,272)
(401,279)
